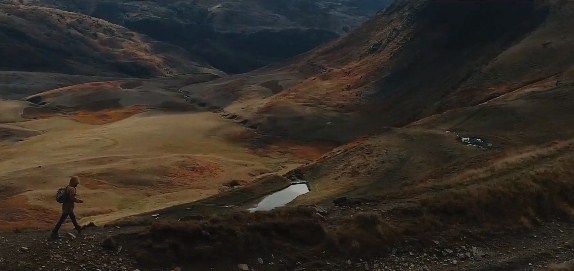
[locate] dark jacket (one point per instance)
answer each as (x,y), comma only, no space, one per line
(68,205)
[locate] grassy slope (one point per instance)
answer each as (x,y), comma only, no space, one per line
(51,40)
(186,157)
(398,68)
(98,131)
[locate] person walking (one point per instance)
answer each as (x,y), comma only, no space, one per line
(68,207)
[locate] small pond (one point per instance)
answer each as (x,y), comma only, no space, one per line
(282,197)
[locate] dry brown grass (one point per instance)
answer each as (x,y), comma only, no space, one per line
(93,183)
(292,231)
(513,203)
(364,234)
(184,173)
(525,160)
(566,266)
(193,173)
(231,236)
(516,194)
(17,213)
(301,150)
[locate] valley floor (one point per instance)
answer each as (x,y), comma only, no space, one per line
(170,159)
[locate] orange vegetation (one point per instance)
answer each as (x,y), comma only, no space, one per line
(307,151)
(193,173)
(17,213)
(93,117)
(106,116)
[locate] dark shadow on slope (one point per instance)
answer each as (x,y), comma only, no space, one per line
(451,42)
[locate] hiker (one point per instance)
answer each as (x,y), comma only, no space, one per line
(68,202)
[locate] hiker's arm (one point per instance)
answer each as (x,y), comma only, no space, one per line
(73,196)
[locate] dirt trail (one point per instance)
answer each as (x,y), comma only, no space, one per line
(33,251)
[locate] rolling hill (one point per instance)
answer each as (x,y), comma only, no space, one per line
(49,40)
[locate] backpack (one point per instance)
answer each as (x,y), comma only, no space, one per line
(62,195)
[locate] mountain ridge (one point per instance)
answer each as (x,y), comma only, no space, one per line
(233,36)
(50,40)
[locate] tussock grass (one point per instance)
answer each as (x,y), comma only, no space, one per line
(291,231)
(364,234)
(519,194)
(231,236)
(515,202)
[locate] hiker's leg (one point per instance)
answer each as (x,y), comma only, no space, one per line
(58,225)
(73,218)
(60,222)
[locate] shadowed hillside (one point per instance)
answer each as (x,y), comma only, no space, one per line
(414,60)
(50,40)
(234,36)
(15,85)
(423,58)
